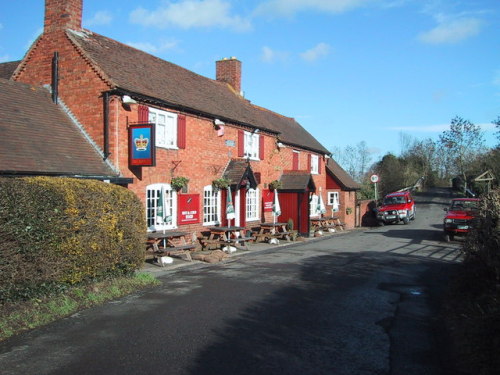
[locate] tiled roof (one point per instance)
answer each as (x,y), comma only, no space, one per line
(7,69)
(297,181)
(39,138)
(238,170)
(341,176)
(130,69)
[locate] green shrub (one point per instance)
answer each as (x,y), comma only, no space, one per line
(56,232)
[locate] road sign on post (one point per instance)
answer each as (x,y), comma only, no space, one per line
(374,178)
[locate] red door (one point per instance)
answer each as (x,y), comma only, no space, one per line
(295,206)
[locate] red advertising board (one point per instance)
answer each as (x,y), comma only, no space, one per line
(267,200)
(188,209)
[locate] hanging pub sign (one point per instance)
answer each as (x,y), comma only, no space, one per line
(141,145)
(189,209)
(267,200)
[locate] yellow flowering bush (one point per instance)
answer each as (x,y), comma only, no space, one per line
(60,231)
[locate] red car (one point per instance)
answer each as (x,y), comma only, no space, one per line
(460,217)
(396,207)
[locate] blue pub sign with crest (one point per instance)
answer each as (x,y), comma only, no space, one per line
(141,145)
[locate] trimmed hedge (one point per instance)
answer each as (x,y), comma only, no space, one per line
(56,232)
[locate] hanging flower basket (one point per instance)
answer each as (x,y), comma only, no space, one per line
(275,185)
(179,183)
(220,183)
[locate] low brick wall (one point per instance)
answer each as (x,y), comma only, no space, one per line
(365,213)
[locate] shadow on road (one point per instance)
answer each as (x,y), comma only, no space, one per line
(316,326)
(423,243)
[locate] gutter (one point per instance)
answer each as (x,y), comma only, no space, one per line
(181,108)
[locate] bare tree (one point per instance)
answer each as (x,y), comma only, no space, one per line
(364,159)
(354,159)
(464,141)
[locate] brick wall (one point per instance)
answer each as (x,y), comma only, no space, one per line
(79,85)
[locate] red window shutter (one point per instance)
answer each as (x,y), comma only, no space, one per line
(319,164)
(143,113)
(241,143)
(181,131)
(309,162)
(295,161)
(261,147)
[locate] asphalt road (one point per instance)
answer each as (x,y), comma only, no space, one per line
(364,302)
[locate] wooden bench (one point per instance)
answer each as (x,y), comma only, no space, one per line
(340,225)
(261,237)
(182,247)
(206,242)
(327,226)
(285,235)
(242,241)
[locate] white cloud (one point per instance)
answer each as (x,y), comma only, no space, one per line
(318,51)
(269,55)
(154,49)
(4,58)
(100,18)
(188,14)
(291,7)
(451,31)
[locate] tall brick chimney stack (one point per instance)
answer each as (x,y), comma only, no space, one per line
(228,70)
(63,14)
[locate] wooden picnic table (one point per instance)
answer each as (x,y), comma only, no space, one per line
(273,230)
(225,236)
(335,220)
(170,243)
(326,223)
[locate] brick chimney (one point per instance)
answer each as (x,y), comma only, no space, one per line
(228,70)
(63,14)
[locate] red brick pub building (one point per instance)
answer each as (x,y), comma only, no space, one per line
(125,101)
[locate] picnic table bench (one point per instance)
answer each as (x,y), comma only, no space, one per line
(268,231)
(225,236)
(173,243)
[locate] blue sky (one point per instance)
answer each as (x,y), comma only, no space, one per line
(347,70)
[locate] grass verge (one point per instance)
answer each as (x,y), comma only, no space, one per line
(22,316)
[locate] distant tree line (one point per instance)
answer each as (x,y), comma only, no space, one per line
(458,153)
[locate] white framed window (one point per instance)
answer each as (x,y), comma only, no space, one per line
(161,207)
(251,145)
(333,196)
(314,164)
(166,127)
(252,205)
(211,206)
(313,206)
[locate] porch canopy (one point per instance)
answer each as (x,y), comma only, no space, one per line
(297,182)
(240,173)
